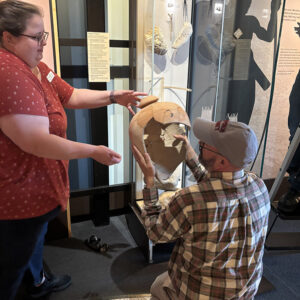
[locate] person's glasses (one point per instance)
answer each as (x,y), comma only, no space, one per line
(201,147)
(39,38)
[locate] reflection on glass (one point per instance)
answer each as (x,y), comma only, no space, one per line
(118,19)
(119,56)
(245,71)
(118,139)
(71,19)
(233,59)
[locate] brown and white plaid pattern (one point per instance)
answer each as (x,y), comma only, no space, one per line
(220,226)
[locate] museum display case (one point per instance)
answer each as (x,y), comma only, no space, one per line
(235,69)
(221,59)
(164,29)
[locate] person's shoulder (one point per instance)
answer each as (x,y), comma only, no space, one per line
(44,67)
(194,188)
(255,179)
(8,58)
(46,70)
(10,71)
(7,61)
(5,55)
(11,65)
(253,175)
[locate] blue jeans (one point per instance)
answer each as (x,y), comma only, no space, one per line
(21,251)
(293,122)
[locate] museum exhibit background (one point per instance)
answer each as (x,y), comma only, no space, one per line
(234,80)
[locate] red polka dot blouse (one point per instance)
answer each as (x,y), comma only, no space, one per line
(31,186)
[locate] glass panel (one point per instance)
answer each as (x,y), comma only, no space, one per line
(118,19)
(73,56)
(204,65)
(118,116)
(118,124)
(162,63)
(247,67)
(119,56)
(71,19)
(234,51)
(80,170)
(72,24)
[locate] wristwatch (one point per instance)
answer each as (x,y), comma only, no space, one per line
(112,97)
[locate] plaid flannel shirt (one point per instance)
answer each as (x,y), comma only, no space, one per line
(220,226)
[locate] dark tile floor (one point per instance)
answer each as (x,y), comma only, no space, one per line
(124,270)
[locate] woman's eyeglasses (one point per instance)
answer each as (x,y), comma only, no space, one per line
(39,38)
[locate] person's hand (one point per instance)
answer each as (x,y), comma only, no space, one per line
(146,166)
(128,98)
(106,156)
(190,153)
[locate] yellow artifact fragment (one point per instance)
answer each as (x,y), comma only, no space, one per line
(160,46)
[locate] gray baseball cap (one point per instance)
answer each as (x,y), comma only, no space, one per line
(237,143)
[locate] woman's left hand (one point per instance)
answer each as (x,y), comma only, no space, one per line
(128,98)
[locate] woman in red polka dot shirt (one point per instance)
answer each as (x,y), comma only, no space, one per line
(34,151)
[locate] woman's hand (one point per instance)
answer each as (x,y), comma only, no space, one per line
(128,98)
(190,153)
(105,156)
(146,166)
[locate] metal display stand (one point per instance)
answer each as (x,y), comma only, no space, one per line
(283,240)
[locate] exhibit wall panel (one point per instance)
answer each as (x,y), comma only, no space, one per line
(264,46)
(287,69)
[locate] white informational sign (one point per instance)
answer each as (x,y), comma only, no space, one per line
(98,56)
(218,8)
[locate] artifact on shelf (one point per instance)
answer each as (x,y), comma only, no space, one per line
(160,46)
(152,130)
(183,36)
(186,31)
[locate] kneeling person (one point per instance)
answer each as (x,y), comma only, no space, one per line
(219,224)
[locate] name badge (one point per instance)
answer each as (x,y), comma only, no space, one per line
(50,76)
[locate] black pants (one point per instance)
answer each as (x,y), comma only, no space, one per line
(21,250)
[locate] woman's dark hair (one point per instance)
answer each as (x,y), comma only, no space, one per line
(14,15)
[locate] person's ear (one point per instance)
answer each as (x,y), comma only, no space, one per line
(222,162)
(7,38)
